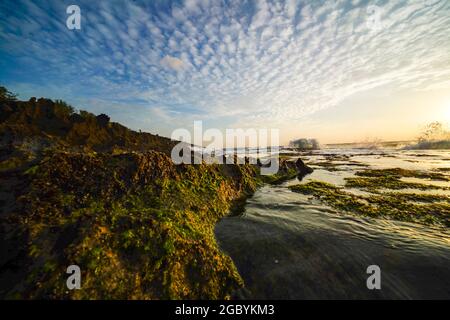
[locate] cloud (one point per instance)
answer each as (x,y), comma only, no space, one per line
(172,63)
(263,63)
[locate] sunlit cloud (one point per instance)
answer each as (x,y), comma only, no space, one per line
(172,63)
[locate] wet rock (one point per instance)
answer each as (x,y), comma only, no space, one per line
(302,168)
(267,163)
(258,162)
(286,165)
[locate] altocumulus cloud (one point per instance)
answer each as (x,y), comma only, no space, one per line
(172,63)
(237,63)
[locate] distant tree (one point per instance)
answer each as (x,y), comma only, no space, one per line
(6,95)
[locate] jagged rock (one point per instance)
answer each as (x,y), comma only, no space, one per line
(302,168)
(258,162)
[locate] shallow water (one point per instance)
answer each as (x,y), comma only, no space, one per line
(289,246)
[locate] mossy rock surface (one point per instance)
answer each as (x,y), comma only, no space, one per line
(376,180)
(420,208)
(138,226)
(399,173)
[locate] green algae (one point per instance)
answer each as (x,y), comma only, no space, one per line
(279,177)
(419,197)
(331,165)
(375,179)
(399,173)
(375,184)
(425,209)
(334,196)
(138,226)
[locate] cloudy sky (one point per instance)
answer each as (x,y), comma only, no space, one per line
(339,70)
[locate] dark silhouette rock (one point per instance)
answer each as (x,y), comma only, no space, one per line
(302,168)
(103,120)
(76,118)
(258,162)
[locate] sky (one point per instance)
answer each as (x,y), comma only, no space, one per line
(338,71)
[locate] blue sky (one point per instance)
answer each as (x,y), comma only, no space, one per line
(310,68)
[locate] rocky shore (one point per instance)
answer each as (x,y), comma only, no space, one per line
(77,189)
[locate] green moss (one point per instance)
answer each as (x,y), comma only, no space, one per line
(399,173)
(419,197)
(137,225)
(387,182)
(406,207)
(334,196)
(280,177)
(314,187)
(426,209)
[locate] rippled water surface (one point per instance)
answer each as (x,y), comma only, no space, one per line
(290,246)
